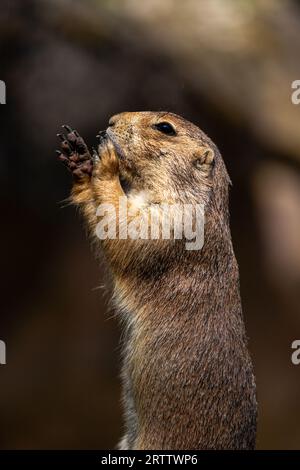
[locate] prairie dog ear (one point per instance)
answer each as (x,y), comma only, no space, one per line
(204,158)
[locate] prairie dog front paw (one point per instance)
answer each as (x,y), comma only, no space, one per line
(107,167)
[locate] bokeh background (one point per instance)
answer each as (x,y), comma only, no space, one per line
(228,66)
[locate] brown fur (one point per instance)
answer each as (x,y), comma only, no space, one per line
(187,375)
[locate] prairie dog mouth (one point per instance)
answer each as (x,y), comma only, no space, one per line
(103,136)
(127,172)
(117,146)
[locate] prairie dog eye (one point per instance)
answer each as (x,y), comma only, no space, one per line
(165,128)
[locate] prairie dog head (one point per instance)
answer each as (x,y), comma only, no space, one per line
(164,155)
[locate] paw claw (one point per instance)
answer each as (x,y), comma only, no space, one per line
(67,128)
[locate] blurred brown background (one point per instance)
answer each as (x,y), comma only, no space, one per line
(228,66)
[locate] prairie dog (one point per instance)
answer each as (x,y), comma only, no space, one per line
(187,375)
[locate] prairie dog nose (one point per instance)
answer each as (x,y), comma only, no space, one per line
(114,119)
(121,118)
